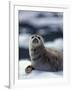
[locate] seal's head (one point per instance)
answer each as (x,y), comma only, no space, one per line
(35,41)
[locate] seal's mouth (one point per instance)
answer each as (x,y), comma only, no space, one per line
(35,40)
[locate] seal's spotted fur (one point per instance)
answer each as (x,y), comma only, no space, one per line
(46,59)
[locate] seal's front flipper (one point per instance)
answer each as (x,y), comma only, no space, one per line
(29,69)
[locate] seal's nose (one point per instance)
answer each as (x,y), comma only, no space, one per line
(35,40)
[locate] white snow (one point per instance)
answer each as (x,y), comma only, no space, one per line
(57,44)
(36,74)
(24,40)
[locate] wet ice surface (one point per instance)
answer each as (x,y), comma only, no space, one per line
(35,74)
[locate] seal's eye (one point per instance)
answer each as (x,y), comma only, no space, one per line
(32,36)
(38,37)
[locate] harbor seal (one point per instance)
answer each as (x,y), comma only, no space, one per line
(42,58)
